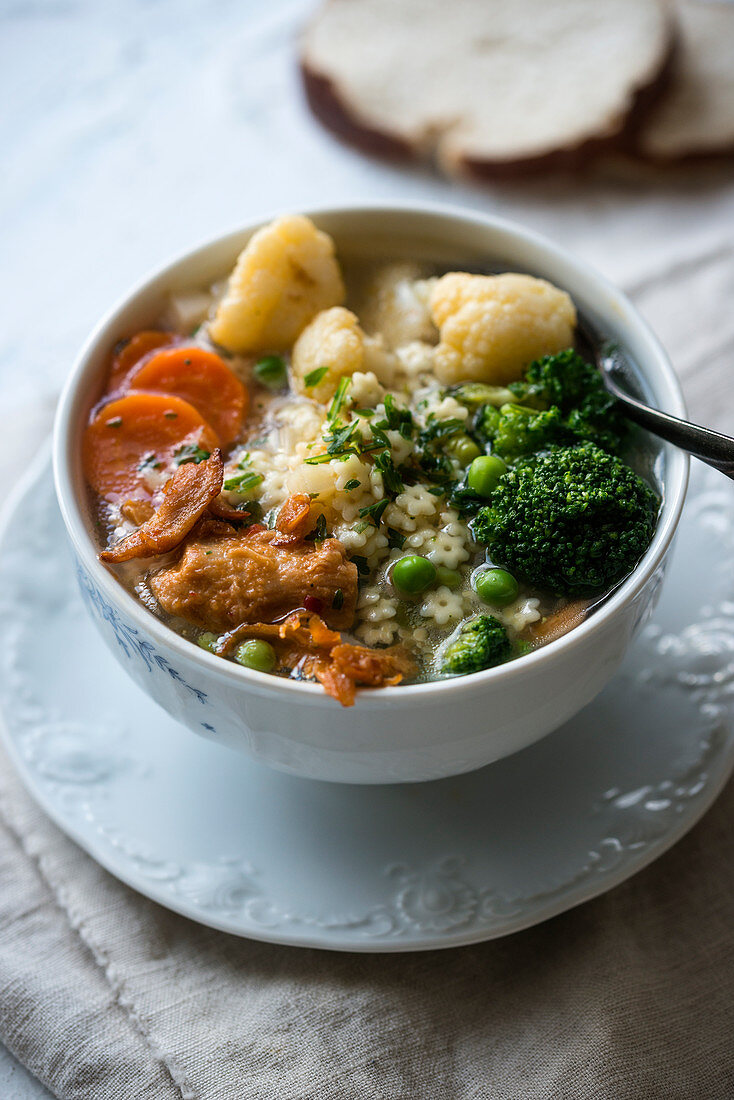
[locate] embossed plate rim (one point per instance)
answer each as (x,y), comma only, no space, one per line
(587,883)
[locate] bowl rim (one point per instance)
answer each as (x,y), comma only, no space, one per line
(675,483)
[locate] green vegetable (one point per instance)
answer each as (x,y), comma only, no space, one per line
(339,398)
(207,640)
(463,449)
(314,377)
(242,483)
(391,479)
(474,394)
(450,577)
(481,643)
(363,568)
(413,574)
(577,389)
(396,418)
(256,653)
(573,520)
(373,512)
(271,372)
(562,400)
(515,430)
(484,473)
(496,586)
(190,452)
(395,540)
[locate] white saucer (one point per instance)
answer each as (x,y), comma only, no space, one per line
(254,852)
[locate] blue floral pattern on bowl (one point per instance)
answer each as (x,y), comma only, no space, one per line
(130,640)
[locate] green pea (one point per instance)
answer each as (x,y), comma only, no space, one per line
(450,577)
(463,449)
(484,473)
(207,640)
(256,654)
(413,574)
(496,586)
(271,372)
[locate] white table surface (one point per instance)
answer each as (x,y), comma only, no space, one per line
(131,131)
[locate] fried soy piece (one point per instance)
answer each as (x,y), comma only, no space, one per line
(186,499)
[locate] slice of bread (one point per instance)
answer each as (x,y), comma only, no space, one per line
(696,116)
(485,87)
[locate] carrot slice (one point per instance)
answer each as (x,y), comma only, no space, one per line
(186,498)
(131,352)
(201,378)
(133,441)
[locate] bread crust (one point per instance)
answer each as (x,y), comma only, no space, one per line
(700,87)
(335,111)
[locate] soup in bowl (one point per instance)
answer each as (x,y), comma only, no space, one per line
(347,491)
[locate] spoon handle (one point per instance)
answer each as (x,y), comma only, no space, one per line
(715,449)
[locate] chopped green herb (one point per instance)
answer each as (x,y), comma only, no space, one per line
(362,567)
(245,460)
(190,452)
(115,422)
(319,532)
(374,512)
(436,490)
(379,436)
(397,418)
(271,372)
(339,398)
(364,412)
(353,483)
(318,460)
(312,496)
(149,462)
(358,528)
(391,479)
(341,439)
(338,602)
(242,483)
(314,377)
(440,429)
(395,540)
(170,414)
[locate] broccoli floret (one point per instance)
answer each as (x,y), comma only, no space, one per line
(516,430)
(573,520)
(576,387)
(481,643)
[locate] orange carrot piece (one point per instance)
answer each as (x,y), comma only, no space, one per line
(186,498)
(131,352)
(136,434)
(201,378)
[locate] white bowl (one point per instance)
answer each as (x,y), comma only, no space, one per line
(404,733)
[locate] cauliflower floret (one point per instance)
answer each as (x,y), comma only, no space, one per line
(285,275)
(492,326)
(333,340)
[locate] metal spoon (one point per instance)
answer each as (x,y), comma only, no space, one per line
(715,449)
